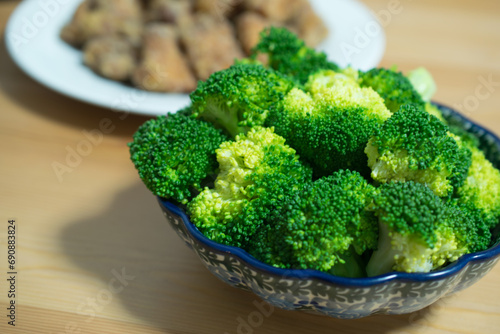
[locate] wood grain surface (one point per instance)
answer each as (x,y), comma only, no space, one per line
(96,254)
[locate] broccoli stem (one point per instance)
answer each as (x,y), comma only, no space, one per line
(352,267)
(382,260)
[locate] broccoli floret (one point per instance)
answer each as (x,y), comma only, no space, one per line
(466,138)
(174,154)
(418,231)
(322,226)
(393,87)
(239,98)
(330,124)
(434,111)
(342,90)
(289,55)
(482,185)
(241,160)
(423,83)
(350,264)
(478,224)
(255,171)
(248,61)
(414,145)
(187,111)
(323,80)
(417,88)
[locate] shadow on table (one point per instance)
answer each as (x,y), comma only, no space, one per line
(144,266)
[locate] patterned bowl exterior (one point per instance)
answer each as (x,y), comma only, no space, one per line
(339,297)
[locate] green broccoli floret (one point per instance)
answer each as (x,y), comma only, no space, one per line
(187,111)
(350,264)
(396,89)
(434,111)
(239,98)
(242,157)
(465,137)
(482,185)
(255,171)
(479,224)
(322,226)
(423,82)
(341,89)
(414,145)
(290,56)
(330,124)
(174,154)
(419,232)
(393,87)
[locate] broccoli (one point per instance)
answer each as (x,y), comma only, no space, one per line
(276,159)
(174,154)
(423,83)
(482,185)
(330,125)
(434,111)
(414,145)
(396,89)
(255,171)
(187,111)
(420,232)
(341,89)
(289,55)
(321,225)
(466,138)
(481,233)
(239,98)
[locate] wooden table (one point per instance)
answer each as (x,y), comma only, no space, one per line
(77,234)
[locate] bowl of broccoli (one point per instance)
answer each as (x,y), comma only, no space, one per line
(336,191)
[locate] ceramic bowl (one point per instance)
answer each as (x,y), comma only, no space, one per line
(339,297)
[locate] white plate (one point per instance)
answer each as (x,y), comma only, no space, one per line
(32,38)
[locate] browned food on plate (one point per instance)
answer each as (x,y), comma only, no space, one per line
(211,44)
(275,10)
(144,3)
(310,27)
(249,26)
(169,11)
(104,17)
(163,67)
(219,8)
(113,57)
(212,33)
(300,19)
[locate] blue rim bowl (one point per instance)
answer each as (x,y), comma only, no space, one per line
(340,297)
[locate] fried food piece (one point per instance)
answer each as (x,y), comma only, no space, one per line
(275,10)
(113,57)
(163,67)
(303,21)
(104,17)
(211,44)
(144,3)
(219,8)
(249,25)
(168,11)
(112,31)
(310,26)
